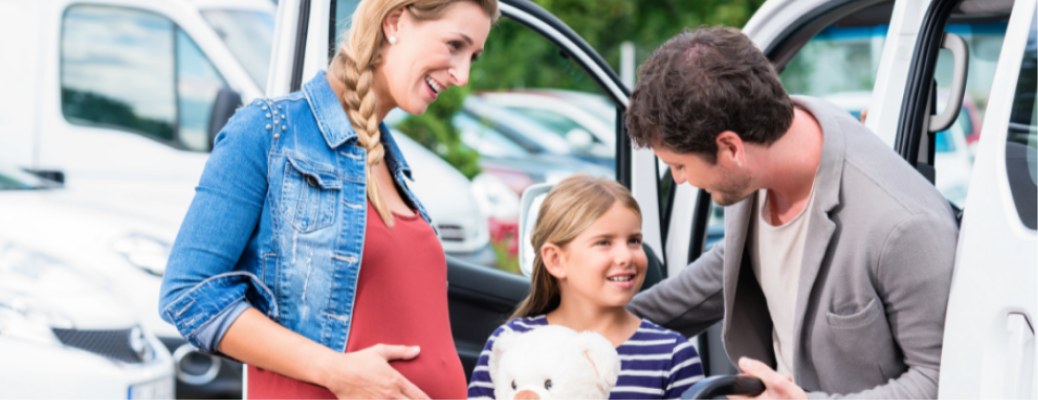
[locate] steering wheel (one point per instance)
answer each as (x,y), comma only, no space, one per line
(723,385)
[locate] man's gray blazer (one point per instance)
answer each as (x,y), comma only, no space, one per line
(873,285)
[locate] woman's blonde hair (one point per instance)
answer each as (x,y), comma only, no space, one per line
(355,62)
(570,208)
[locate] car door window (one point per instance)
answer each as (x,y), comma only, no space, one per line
(249,35)
(135,70)
(1022,138)
(954,147)
(198,83)
(840,62)
(118,70)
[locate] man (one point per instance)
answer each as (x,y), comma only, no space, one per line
(834,274)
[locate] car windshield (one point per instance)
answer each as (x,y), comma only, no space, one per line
(249,34)
(15,179)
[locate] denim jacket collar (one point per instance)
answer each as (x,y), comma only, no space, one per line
(336,127)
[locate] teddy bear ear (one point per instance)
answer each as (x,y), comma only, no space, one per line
(602,355)
(501,344)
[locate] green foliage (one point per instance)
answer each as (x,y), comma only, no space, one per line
(436,132)
(505,260)
(517,57)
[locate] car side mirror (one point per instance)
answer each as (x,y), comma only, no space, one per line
(529,207)
(227,102)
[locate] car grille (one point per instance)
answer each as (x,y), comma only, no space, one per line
(113,344)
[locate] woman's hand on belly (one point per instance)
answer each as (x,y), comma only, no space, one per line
(366,374)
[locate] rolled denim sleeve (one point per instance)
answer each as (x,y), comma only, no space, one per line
(202,292)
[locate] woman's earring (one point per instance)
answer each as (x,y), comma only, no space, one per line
(392,40)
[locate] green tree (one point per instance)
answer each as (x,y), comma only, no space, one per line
(513,51)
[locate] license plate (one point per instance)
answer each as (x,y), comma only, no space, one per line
(157,389)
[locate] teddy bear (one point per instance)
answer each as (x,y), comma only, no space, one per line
(553,362)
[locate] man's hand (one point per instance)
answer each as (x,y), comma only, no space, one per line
(777,386)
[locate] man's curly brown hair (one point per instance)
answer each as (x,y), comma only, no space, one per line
(704,82)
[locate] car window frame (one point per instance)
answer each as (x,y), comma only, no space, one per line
(176,30)
(61,73)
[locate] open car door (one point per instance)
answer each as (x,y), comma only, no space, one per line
(991,310)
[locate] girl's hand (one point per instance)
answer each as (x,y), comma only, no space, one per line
(366,374)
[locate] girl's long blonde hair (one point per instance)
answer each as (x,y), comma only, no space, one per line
(355,62)
(570,208)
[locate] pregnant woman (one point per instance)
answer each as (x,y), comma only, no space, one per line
(290,259)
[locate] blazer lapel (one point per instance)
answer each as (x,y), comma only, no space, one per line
(826,197)
(737,225)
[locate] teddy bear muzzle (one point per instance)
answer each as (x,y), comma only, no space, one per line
(527,395)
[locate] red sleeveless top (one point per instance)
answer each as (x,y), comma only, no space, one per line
(401,299)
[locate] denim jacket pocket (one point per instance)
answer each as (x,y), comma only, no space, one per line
(308,195)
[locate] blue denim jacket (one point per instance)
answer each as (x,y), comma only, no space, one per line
(277,222)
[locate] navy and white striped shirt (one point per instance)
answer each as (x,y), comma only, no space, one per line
(655,363)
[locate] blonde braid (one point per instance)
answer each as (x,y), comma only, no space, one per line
(360,103)
(358,57)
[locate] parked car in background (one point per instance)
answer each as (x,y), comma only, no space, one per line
(72,341)
(585,120)
(535,134)
(66,331)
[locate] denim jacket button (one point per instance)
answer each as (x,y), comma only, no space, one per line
(268,127)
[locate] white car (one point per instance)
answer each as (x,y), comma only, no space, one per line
(65,331)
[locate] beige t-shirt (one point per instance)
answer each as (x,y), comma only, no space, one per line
(776,253)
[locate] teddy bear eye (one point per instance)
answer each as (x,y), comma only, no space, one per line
(547,384)
(513,385)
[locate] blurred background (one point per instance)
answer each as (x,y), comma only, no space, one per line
(98,167)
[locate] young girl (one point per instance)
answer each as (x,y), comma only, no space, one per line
(588,266)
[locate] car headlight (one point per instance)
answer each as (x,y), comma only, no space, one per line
(494,198)
(23,320)
(144,252)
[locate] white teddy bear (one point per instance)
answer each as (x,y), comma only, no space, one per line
(553,362)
